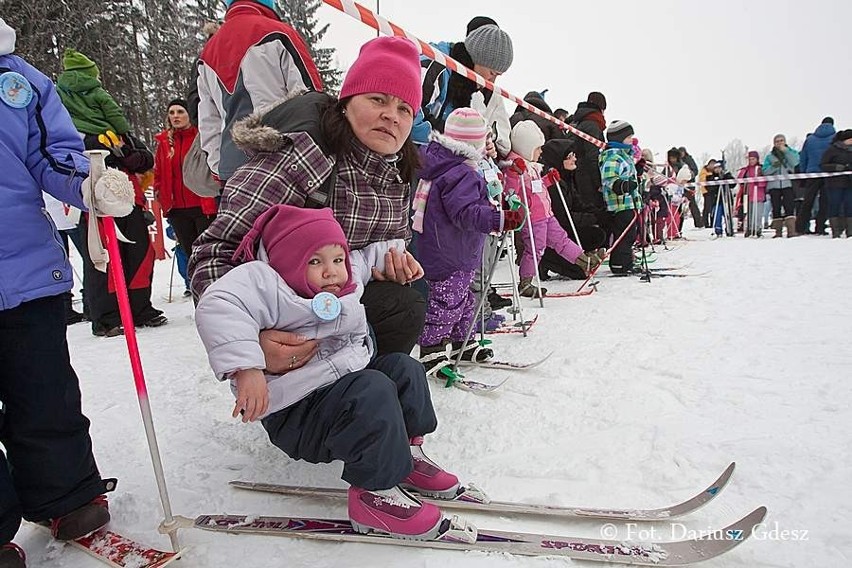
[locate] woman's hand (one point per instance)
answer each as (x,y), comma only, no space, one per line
(401,268)
(285,351)
(252,394)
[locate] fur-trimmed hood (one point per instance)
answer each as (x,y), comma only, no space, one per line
(443,154)
(266,129)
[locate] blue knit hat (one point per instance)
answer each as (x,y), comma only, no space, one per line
(271,4)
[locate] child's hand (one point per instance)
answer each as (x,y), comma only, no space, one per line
(252,394)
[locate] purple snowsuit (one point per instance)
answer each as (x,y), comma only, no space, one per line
(458,216)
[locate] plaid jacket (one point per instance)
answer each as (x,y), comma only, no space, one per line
(369,200)
(617,163)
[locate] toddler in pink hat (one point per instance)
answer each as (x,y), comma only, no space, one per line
(344,403)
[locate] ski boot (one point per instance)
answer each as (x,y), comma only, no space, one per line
(428,478)
(497,301)
(400,514)
(12,556)
(83,521)
(434,357)
(528,290)
(473,351)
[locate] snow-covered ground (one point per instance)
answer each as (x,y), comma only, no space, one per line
(652,390)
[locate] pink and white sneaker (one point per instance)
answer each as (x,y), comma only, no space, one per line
(393,511)
(428,478)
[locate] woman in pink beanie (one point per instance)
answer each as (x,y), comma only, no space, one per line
(346,403)
(351,154)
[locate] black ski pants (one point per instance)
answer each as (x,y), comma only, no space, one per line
(814,189)
(621,258)
(782,202)
(365,419)
(188,224)
(396,313)
(48,469)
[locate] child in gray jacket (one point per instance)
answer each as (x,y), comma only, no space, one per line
(345,404)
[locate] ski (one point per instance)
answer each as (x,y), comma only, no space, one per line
(516,327)
(674,553)
(586,291)
(465,501)
(655,274)
(121,552)
(449,377)
(507,365)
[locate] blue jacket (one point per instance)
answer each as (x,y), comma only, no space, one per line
(436,79)
(773,166)
(39,149)
(815,146)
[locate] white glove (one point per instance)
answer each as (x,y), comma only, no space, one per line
(111,196)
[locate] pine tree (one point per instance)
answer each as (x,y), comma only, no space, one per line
(301,14)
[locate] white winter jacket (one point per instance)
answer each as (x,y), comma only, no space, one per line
(253,297)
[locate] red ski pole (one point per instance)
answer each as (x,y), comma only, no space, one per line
(116,271)
(609,251)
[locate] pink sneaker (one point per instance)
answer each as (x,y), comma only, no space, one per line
(393,511)
(428,478)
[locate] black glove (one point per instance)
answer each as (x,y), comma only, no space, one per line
(622,186)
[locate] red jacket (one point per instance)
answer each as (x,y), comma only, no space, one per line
(168,174)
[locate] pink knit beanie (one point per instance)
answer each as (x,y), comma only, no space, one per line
(290,236)
(467,125)
(389,65)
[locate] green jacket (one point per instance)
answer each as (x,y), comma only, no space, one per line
(92,109)
(616,162)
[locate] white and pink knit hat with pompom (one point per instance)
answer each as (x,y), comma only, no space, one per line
(467,125)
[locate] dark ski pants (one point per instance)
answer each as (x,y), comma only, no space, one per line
(814,190)
(364,419)
(839,201)
(188,224)
(782,202)
(621,257)
(48,469)
(396,313)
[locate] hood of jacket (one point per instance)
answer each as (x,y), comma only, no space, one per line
(584,110)
(443,154)
(825,130)
(7,38)
(535,99)
(554,151)
(77,82)
(266,129)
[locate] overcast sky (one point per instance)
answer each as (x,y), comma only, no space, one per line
(696,74)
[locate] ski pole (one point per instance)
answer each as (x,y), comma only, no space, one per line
(116,270)
(528,214)
(570,217)
(609,251)
(172,276)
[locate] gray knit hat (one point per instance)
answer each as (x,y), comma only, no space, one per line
(490,47)
(618,130)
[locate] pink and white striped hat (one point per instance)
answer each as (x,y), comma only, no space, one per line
(467,125)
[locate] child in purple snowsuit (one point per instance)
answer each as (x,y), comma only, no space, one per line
(453,215)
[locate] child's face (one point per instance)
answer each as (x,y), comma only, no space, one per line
(327,269)
(752,161)
(536,154)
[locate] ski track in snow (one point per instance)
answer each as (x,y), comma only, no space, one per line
(652,390)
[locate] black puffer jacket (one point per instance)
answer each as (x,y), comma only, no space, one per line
(838,158)
(549,129)
(588,175)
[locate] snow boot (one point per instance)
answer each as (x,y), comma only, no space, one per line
(12,556)
(790,224)
(778,226)
(428,478)
(837,226)
(393,511)
(848,227)
(473,351)
(528,290)
(497,301)
(83,521)
(434,356)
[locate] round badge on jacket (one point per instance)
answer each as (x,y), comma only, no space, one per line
(15,90)
(326,306)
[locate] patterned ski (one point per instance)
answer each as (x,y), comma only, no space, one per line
(121,552)
(513,508)
(516,327)
(507,365)
(675,553)
(444,374)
